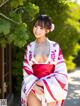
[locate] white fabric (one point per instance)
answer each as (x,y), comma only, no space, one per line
(55,84)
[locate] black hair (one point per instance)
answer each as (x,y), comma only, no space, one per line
(43,21)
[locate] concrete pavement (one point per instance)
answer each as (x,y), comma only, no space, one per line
(73,98)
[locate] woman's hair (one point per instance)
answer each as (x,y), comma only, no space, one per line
(43,21)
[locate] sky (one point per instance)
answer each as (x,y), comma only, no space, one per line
(78,1)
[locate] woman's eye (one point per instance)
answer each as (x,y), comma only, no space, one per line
(38,27)
(41,27)
(35,26)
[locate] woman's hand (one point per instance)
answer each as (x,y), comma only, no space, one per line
(38,87)
(38,83)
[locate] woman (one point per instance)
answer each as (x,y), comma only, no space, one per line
(44,70)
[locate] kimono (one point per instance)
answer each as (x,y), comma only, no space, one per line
(52,74)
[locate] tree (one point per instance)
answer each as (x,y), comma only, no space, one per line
(67,26)
(14,18)
(18,15)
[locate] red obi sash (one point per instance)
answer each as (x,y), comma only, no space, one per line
(41,70)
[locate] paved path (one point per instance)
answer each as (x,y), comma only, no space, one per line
(73,98)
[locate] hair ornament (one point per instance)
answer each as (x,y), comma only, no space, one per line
(52,27)
(43,15)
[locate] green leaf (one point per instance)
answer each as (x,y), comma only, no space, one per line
(31,9)
(4,27)
(10,38)
(14,3)
(17,17)
(3,42)
(20,35)
(21,2)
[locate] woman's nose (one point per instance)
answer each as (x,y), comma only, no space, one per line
(37,29)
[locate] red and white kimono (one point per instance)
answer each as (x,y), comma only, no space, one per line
(52,74)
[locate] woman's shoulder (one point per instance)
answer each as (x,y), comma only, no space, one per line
(54,43)
(31,44)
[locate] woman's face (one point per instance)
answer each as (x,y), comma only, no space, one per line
(39,31)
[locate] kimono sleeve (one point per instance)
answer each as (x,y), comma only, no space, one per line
(28,78)
(56,84)
(27,69)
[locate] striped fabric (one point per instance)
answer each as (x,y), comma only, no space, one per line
(55,84)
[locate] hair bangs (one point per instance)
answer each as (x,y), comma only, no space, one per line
(40,23)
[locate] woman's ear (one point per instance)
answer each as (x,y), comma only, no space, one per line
(47,31)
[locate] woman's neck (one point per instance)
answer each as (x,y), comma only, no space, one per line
(41,40)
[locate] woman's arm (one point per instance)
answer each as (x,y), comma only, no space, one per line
(56,84)
(28,78)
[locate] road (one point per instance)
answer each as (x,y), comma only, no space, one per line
(73,98)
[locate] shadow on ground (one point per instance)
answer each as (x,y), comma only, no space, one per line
(73,98)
